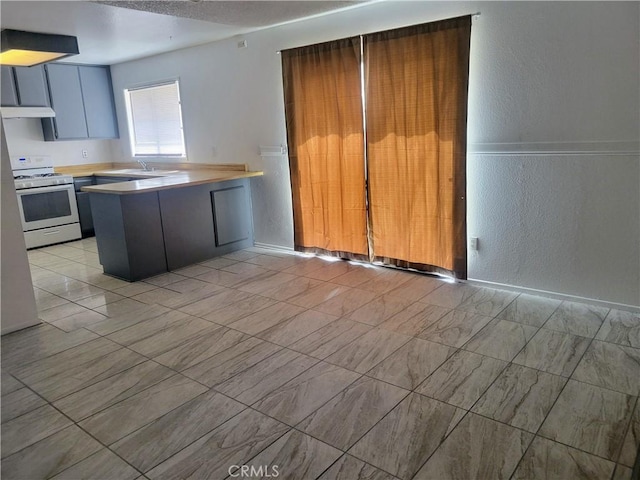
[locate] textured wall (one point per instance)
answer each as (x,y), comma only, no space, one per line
(553,107)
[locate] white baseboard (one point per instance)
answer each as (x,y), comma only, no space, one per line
(558,296)
(275,248)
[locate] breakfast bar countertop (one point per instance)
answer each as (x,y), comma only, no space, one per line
(151,181)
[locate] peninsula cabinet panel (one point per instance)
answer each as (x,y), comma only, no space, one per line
(128,232)
(192,222)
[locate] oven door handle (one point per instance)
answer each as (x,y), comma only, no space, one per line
(53,188)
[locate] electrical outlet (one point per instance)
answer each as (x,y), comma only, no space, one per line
(84,154)
(473,243)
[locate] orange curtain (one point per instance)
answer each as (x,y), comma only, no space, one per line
(323,107)
(416,82)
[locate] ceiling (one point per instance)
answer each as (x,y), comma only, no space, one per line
(116,31)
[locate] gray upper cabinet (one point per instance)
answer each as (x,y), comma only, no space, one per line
(98,102)
(66,100)
(8,88)
(24,87)
(82,98)
(32,86)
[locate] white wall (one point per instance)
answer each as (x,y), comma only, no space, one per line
(25,137)
(16,291)
(553,168)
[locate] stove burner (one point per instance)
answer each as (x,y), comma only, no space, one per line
(22,177)
(47,174)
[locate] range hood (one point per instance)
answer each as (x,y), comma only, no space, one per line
(27,112)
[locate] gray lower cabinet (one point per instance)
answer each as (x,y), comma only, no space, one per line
(144,234)
(84,205)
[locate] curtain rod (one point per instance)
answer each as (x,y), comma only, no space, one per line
(472,15)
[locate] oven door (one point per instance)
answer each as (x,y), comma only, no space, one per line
(44,207)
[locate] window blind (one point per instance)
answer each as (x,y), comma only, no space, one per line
(156,120)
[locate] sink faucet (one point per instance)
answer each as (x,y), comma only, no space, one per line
(144,165)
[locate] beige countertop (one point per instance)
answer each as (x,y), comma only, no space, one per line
(162,179)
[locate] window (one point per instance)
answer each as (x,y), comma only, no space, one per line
(155,120)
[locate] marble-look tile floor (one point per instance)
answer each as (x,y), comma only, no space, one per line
(319,369)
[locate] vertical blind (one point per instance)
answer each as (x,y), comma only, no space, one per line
(156,120)
(395,190)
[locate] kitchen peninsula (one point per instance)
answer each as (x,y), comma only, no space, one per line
(156,221)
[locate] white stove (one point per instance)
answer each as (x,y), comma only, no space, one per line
(46,200)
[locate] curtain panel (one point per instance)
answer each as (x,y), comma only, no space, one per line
(416,82)
(323,109)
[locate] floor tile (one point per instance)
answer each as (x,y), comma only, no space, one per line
(350,468)
(357,276)
(501,339)
(132,317)
(77,367)
(610,366)
(297,456)
(295,328)
(99,299)
(218,262)
(553,352)
(264,377)
(386,280)
(35,343)
(214,301)
(203,346)
(127,416)
(235,311)
(9,384)
(295,286)
(379,309)
(19,402)
(233,443)
(455,329)
(112,390)
(79,320)
(589,418)
(223,366)
(103,464)
(349,415)
(368,350)
(61,311)
(346,302)
(403,440)
(520,397)
(317,295)
(133,289)
(50,455)
(408,366)
(164,279)
(164,437)
(414,319)
(477,448)
(121,307)
(530,310)
(168,297)
(622,328)
(462,379)
(159,335)
(577,319)
(265,282)
(468,298)
(30,428)
(266,318)
(547,459)
(632,440)
(329,271)
(622,473)
(331,338)
(418,286)
(307,392)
